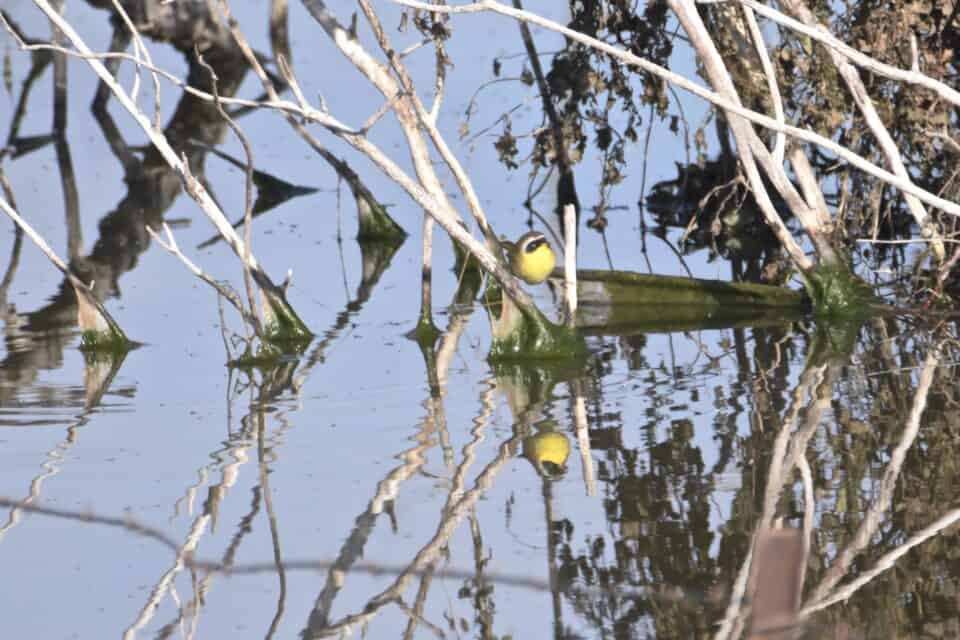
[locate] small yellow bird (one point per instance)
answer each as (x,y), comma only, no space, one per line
(531,257)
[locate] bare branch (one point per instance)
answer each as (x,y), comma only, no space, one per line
(859,92)
(224,289)
(821,35)
(696,89)
(570,262)
(141,47)
(779,147)
(248,194)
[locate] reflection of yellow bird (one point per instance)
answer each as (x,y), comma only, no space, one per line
(548,452)
(531,257)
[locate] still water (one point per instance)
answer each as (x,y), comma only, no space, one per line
(379,486)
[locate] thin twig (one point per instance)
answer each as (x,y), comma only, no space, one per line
(248,191)
(779,148)
(141,47)
(222,288)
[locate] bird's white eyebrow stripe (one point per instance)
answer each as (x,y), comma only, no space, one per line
(533,245)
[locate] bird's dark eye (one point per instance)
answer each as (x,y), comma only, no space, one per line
(533,245)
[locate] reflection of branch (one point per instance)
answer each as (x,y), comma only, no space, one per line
(389,487)
(14,251)
(68,182)
(817,384)
(370,568)
(455,494)
(429,552)
(51,467)
(416,613)
(272,518)
(184,552)
(352,549)
(871,519)
(886,561)
(582,427)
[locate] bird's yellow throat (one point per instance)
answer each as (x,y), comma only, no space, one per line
(531,258)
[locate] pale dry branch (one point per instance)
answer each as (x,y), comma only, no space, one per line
(141,47)
(222,288)
(440,74)
(91,314)
(749,147)
(570,262)
(430,196)
(779,148)
(381,111)
(428,122)
(440,208)
(821,35)
(414,47)
(34,236)
(713,97)
(810,187)
(379,75)
(426,272)
(248,194)
(114,55)
(855,85)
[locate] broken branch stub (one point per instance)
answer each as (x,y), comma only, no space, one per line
(99,331)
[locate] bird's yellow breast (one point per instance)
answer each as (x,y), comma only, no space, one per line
(535,265)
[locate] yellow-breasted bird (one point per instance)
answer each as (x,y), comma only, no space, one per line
(531,257)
